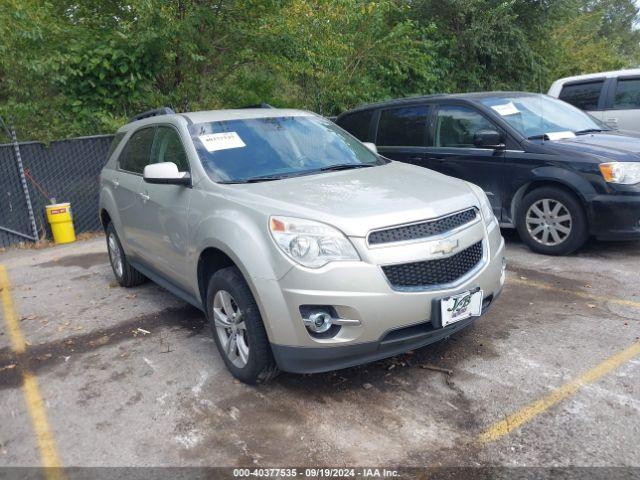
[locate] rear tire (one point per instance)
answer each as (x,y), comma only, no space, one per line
(125,274)
(237,328)
(551,221)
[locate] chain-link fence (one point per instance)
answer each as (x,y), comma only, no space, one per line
(65,170)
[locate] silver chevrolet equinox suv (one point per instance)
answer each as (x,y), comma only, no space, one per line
(306,250)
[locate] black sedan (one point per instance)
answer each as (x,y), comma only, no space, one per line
(549,169)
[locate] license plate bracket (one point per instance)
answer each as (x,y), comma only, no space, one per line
(460,306)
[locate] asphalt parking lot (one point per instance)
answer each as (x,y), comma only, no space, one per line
(112,376)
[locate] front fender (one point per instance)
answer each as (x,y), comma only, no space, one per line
(551,174)
(241,237)
(568,178)
(244,238)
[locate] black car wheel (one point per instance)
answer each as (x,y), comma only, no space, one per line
(125,274)
(552,221)
(237,327)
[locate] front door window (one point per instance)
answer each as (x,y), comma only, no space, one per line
(167,147)
(456,126)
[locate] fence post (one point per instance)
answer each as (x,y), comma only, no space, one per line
(23,181)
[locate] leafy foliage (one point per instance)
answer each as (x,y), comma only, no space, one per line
(83,67)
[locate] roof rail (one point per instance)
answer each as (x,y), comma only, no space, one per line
(258,105)
(153,113)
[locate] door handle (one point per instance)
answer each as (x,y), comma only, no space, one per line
(144,196)
(417,158)
(116,183)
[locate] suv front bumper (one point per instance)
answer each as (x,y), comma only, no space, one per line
(391,321)
(323,359)
(615,217)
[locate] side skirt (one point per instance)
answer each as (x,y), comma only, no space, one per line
(167,285)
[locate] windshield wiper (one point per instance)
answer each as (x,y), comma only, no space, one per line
(270,178)
(264,178)
(590,130)
(343,166)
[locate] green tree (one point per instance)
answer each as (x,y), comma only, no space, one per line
(77,67)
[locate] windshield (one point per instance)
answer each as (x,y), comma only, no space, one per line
(261,149)
(538,115)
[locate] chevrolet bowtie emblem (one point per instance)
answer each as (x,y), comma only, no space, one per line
(444,246)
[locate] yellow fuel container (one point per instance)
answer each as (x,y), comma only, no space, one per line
(61,222)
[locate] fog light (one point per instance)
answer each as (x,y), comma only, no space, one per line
(503,272)
(319,322)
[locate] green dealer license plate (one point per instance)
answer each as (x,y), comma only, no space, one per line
(461,306)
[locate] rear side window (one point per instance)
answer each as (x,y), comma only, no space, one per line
(627,94)
(357,124)
(168,148)
(135,155)
(403,126)
(583,95)
(117,138)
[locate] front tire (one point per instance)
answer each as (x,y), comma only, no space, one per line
(237,328)
(551,221)
(125,274)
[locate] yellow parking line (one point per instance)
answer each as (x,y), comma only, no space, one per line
(576,293)
(10,317)
(33,398)
(529,412)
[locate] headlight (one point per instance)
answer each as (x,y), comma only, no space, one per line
(626,173)
(485,205)
(487,211)
(312,244)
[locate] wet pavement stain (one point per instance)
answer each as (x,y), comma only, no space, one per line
(563,288)
(41,357)
(81,278)
(85,260)
(295,409)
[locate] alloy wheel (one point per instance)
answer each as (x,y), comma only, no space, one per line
(115,255)
(230,328)
(549,222)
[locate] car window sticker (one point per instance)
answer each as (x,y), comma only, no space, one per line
(221,141)
(506,109)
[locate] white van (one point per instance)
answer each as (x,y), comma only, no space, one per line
(611,97)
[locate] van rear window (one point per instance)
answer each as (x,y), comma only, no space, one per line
(627,94)
(357,124)
(584,95)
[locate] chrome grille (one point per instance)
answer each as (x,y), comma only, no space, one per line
(423,229)
(430,273)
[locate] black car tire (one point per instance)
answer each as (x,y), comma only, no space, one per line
(578,227)
(126,275)
(260,366)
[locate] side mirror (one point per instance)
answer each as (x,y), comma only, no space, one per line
(167,173)
(488,139)
(371,146)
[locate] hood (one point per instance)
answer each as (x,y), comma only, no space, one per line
(618,146)
(356,201)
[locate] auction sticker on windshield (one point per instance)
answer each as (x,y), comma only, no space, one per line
(506,109)
(221,141)
(461,306)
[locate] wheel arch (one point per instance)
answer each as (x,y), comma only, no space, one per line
(216,257)
(105,218)
(211,260)
(556,177)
